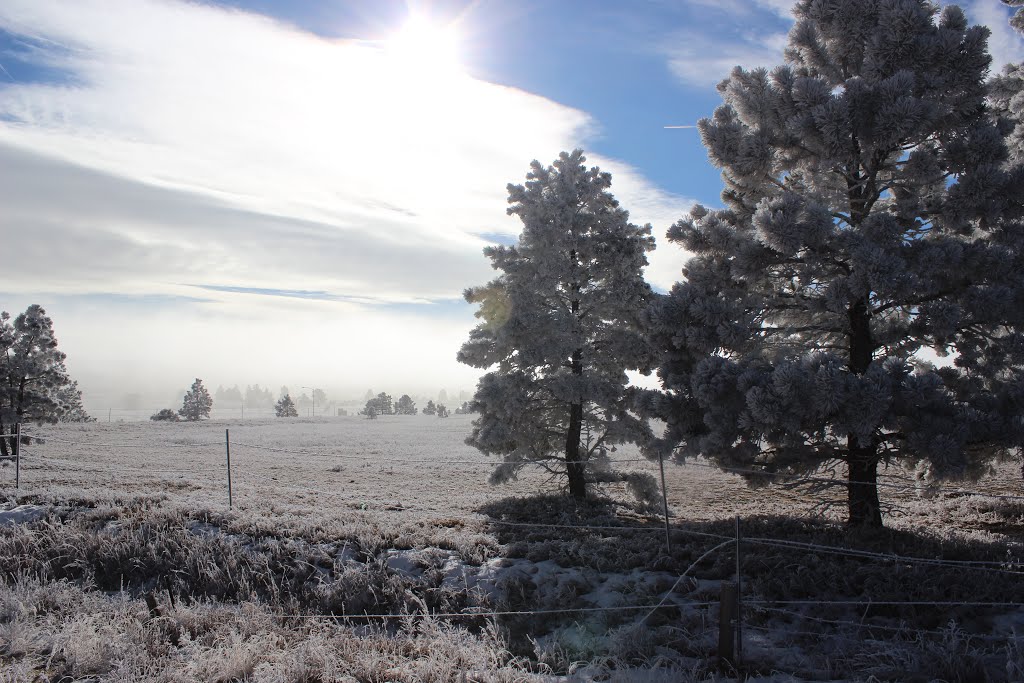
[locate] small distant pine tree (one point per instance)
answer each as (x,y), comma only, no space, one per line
(370,411)
(285,407)
(196,403)
(405,405)
(431,408)
(381,405)
(165,415)
(442,411)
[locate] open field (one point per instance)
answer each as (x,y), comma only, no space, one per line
(394,518)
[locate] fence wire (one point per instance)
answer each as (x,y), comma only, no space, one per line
(1007,567)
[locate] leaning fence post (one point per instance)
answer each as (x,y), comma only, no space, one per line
(17,455)
(739,597)
(227,449)
(726,620)
(664,501)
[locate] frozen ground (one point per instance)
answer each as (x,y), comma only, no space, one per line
(343,516)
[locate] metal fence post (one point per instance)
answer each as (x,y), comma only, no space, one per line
(17,455)
(739,597)
(664,502)
(726,621)
(227,449)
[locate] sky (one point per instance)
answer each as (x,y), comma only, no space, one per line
(297,193)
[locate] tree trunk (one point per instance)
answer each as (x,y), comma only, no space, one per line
(574,465)
(861,459)
(3,441)
(862,488)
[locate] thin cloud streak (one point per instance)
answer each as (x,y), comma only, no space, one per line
(699,60)
(192,144)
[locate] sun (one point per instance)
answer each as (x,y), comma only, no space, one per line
(426,47)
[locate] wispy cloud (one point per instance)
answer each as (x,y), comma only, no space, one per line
(702,56)
(246,132)
(311,186)
(1004,44)
(701,59)
(259,117)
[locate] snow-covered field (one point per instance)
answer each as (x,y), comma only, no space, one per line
(415,465)
(348,516)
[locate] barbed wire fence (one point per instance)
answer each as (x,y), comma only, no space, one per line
(730,604)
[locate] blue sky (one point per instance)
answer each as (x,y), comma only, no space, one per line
(216,184)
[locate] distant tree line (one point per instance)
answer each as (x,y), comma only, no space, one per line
(382,404)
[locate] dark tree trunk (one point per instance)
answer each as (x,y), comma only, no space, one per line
(861,459)
(862,465)
(574,465)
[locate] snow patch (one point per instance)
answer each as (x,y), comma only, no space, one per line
(415,561)
(22,514)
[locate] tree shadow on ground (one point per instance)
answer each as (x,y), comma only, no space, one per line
(783,558)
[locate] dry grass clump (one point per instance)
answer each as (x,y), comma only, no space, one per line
(114,638)
(202,555)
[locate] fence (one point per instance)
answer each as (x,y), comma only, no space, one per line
(732,604)
(14,438)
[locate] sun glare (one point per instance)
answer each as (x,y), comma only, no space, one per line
(425,47)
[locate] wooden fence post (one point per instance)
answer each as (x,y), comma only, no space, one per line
(227,449)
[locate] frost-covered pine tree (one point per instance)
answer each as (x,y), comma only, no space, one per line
(431,409)
(1017,21)
(871,225)
(196,403)
(285,407)
(405,405)
(34,382)
(1007,93)
(559,326)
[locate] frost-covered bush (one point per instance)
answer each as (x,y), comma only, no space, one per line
(165,415)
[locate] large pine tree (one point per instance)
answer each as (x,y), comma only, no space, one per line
(559,326)
(872,224)
(34,383)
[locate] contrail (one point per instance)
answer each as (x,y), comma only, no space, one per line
(8,73)
(680,126)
